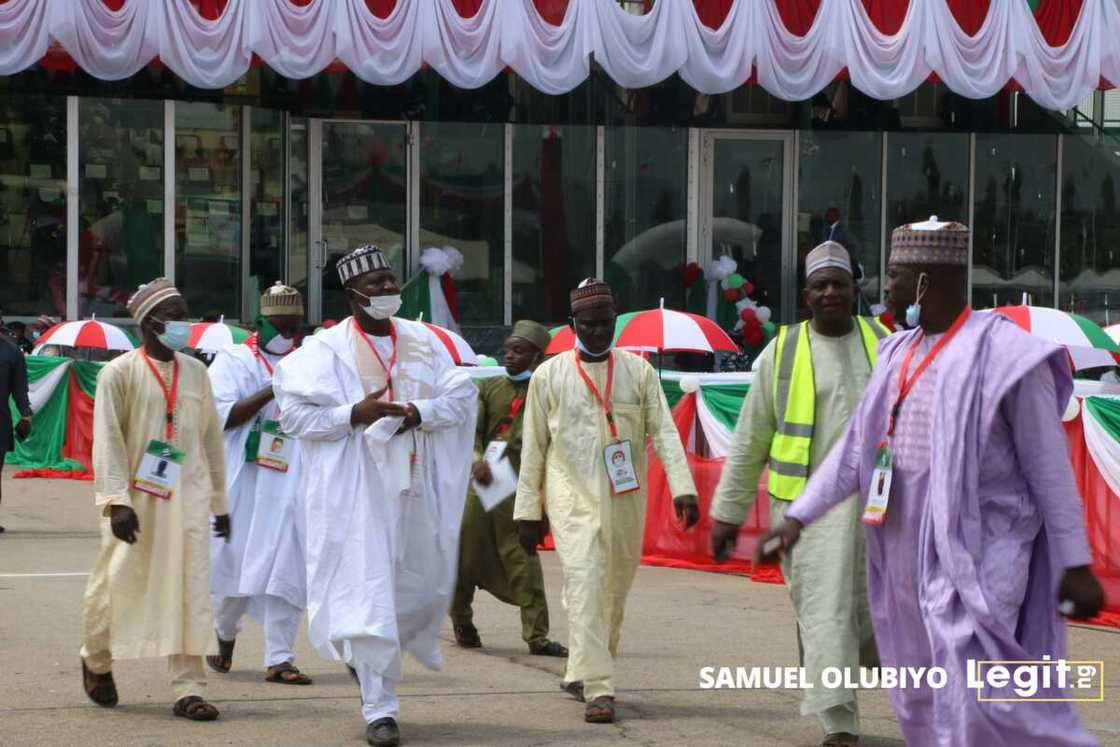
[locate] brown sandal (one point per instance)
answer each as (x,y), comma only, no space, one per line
(600,710)
(104,690)
(574,688)
(841,739)
(195,708)
(223,662)
(286,674)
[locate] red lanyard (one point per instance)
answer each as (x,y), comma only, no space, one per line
(514,410)
(904,384)
(169,395)
(254,343)
(392,358)
(604,402)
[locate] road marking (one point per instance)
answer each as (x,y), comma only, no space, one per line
(41,575)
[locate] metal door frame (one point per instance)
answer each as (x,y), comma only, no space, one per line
(788,140)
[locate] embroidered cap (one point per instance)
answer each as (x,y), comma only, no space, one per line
(149,296)
(368,258)
(591,293)
(828,254)
(930,242)
(281,300)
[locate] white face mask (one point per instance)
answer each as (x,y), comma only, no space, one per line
(593,353)
(380,307)
(280,345)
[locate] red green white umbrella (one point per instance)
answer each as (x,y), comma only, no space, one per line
(211,337)
(657,331)
(1088,345)
(86,334)
(461,352)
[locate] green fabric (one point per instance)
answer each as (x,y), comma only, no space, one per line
(43,448)
(86,374)
(1107,413)
(416,298)
(672,391)
(724,401)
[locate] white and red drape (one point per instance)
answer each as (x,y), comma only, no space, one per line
(1057,54)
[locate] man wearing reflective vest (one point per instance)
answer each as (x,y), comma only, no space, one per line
(807,384)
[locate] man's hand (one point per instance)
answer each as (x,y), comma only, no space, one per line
(777,542)
(371,409)
(481,473)
(530,534)
(124,523)
(722,539)
(23,428)
(688,510)
(1081,587)
(222,527)
(411,418)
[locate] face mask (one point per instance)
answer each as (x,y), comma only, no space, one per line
(380,307)
(175,335)
(279,345)
(914,310)
(593,353)
(34,335)
(523,376)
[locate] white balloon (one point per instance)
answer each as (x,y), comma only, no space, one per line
(690,384)
(1073,408)
(763,314)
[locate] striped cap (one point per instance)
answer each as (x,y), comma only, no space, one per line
(930,242)
(591,293)
(368,258)
(281,300)
(149,296)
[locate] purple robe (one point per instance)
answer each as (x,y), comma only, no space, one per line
(984,518)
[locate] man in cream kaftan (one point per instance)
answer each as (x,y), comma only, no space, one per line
(151,597)
(261,570)
(598,534)
(383,502)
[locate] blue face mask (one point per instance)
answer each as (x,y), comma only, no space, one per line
(175,335)
(914,310)
(523,376)
(593,353)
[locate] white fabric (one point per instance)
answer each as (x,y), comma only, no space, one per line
(380,565)
(1104,449)
(379,694)
(39,392)
(634,50)
(279,619)
(717,434)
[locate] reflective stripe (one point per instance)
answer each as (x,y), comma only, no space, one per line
(789,469)
(787,341)
(801,430)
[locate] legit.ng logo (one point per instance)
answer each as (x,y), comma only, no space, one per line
(1042,680)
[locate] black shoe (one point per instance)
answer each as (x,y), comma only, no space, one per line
(466,635)
(549,648)
(575,689)
(383,733)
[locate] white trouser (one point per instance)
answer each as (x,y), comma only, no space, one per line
(379,694)
(281,623)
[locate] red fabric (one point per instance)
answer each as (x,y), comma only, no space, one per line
(1056,19)
(798,15)
(887,15)
(552,10)
(970,14)
(52,474)
(713,12)
(381,8)
(78,442)
(448,286)
(468,8)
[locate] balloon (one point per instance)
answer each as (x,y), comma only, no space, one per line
(769,329)
(763,314)
(887,320)
(690,384)
(690,273)
(736,281)
(752,337)
(748,315)
(485,360)
(1073,409)
(748,287)
(731,295)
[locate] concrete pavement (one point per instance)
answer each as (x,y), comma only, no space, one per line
(677,622)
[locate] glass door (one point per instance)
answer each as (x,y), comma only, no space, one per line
(359,196)
(747,212)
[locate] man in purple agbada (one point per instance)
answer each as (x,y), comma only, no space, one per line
(983,533)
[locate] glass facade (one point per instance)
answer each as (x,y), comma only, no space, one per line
(298,201)
(33,205)
(645,215)
(1090,239)
(266,204)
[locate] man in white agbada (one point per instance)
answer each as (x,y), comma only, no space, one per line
(807,384)
(588,409)
(261,570)
(157,457)
(386,423)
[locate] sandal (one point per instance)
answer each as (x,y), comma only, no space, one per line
(549,648)
(194,708)
(223,662)
(600,710)
(286,674)
(104,690)
(575,689)
(840,739)
(466,635)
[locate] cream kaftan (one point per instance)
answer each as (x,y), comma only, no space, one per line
(598,535)
(154,594)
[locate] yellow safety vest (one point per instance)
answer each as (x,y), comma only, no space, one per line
(795,402)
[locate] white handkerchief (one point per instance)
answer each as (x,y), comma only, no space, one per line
(379,432)
(501,487)
(393,458)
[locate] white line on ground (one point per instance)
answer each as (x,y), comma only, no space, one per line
(40,575)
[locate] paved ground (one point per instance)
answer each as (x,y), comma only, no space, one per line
(679,621)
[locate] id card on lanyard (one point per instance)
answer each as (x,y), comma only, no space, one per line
(275,451)
(161,465)
(618,456)
(496,447)
(879,492)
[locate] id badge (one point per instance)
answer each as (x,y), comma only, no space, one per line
(495,450)
(619,460)
(275,451)
(159,470)
(879,494)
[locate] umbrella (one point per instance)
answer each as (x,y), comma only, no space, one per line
(460,351)
(658,331)
(1088,345)
(87,334)
(210,337)
(1113,332)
